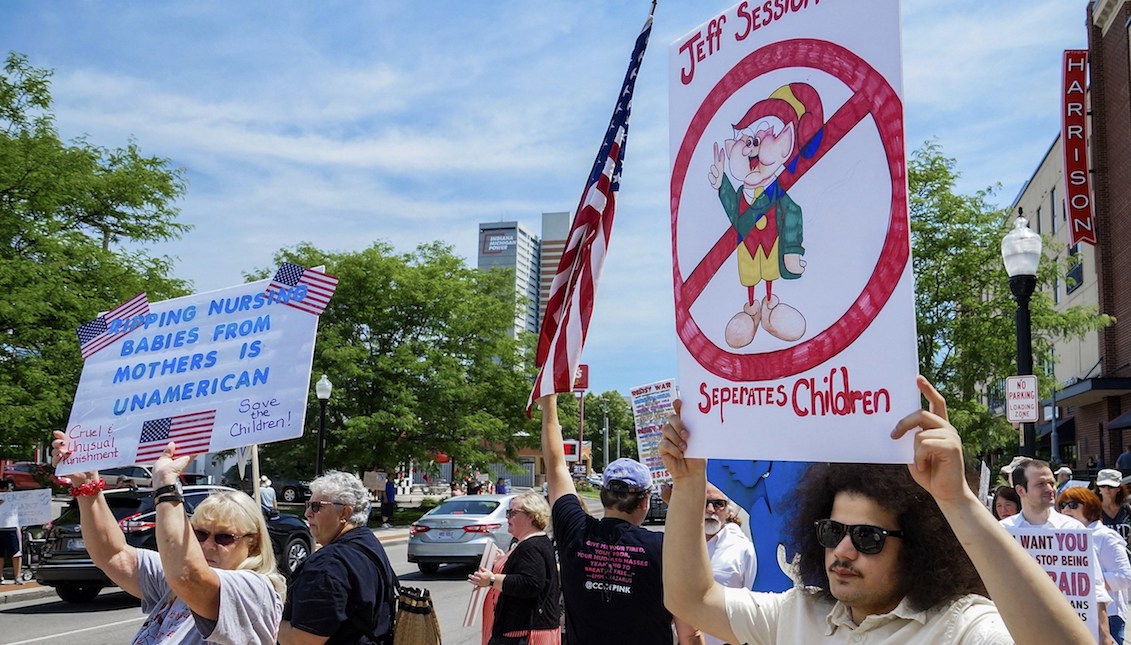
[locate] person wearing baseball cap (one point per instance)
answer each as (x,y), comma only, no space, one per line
(1116,515)
(611,575)
(1063,475)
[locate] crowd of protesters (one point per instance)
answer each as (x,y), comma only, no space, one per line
(898,554)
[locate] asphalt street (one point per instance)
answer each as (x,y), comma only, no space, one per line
(32,614)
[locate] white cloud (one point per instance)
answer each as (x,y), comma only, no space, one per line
(343,124)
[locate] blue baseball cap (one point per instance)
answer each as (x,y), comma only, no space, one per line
(630,472)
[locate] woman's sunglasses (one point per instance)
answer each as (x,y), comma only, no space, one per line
(865,538)
(316,507)
(511,512)
(223,539)
(1072,504)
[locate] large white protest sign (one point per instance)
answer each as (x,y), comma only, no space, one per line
(790,235)
(211,371)
(25,508)
(1066,556)
(651,405)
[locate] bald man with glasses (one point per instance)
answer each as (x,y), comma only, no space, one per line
(886,554)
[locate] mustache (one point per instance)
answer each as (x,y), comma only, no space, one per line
(845,566)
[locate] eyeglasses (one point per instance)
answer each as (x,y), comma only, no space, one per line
(223,539)
(316,507)
(718,504)
(866,539)
(1072,504)
(514,511)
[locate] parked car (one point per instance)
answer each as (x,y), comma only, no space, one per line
(127,477)
(657,509)
(458,530)
(287,489)
(23,475)
(66,564)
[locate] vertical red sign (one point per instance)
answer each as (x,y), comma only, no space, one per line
(1074,143)
(581,378)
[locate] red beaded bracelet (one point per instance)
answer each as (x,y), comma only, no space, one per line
(89,488)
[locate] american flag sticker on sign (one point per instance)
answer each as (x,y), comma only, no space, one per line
(192,432)
(308,290)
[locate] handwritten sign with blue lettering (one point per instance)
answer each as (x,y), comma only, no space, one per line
(210,371)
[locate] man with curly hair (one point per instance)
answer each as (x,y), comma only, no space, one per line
(892,554)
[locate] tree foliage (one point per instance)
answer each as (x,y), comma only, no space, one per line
(419,349)
(63,209)
(964,308)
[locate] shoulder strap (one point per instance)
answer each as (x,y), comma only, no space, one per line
(387,611)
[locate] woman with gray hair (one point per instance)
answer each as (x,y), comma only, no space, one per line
(523,601)
(346,590)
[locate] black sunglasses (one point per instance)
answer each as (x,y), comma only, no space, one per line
(513,511)
(317,507)
(866,538)
(718,504)
(223,539)
(1072,504)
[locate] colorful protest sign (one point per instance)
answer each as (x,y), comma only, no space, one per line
(651,405)
(25,508)
(1066,555)
(790,234)
(211,371)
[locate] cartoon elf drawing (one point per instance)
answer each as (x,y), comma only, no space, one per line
(773,134)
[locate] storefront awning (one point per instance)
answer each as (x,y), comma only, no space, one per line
(1065,429)
(1092,390)
(1120,422)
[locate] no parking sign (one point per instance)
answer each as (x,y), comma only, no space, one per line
(790,236)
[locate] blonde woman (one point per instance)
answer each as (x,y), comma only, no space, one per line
(213,577)
(525,592)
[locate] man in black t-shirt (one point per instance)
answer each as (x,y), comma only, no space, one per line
(611,571)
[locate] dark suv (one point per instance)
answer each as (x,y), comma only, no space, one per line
(67,566)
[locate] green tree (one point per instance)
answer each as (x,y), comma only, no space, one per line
(419,349)
(964,309)
(63,209)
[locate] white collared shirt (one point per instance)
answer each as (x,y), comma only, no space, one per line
(803,615)
(733,562)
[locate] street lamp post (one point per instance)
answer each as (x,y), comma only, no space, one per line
(322,388)
(1021,252)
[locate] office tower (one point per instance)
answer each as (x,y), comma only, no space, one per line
(511,245)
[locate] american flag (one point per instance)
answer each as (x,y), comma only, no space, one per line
(94,335)
(570,304)
(319,287)
(192,432)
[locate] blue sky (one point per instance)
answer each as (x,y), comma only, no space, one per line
(345,123)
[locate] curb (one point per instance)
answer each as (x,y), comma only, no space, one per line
(20,595)
(391,538)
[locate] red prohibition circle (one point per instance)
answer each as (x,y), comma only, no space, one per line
(872,95)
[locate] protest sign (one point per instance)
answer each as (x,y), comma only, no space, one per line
(790,233)
(479,594)
(211,371)
(25,508)
(1066,556)
(651,405)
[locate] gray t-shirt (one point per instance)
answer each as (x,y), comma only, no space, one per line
(249,609)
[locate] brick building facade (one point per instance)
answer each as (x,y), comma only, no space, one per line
(1095,400)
